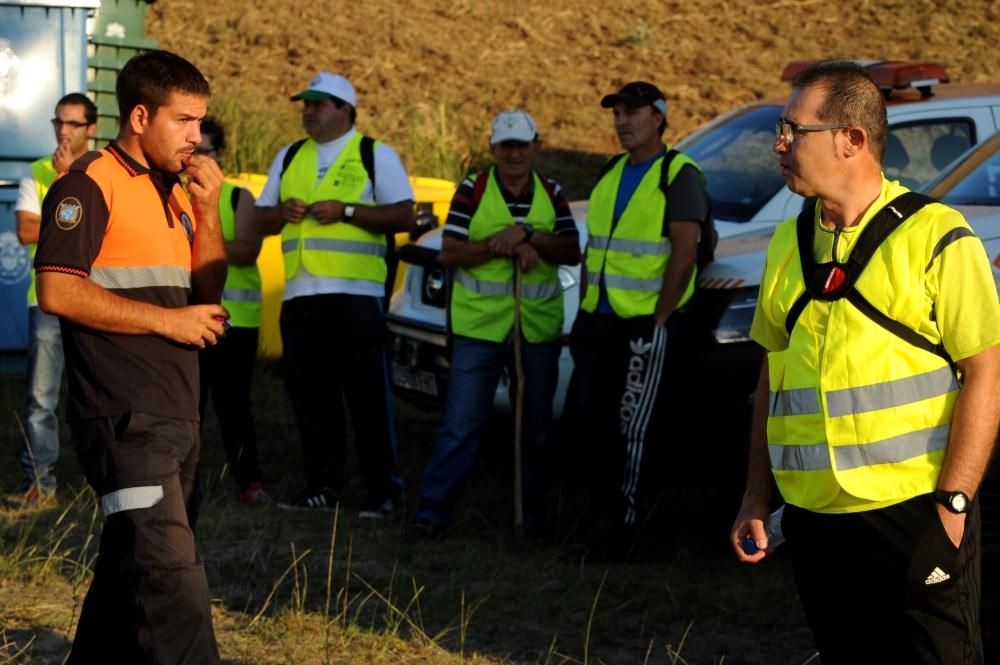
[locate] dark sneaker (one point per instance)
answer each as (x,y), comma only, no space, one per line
(254,495)
(377,511)
(325,499)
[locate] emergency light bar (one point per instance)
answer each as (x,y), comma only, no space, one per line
(889,75)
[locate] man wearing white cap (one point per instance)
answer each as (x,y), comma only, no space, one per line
(337,198)
(505,216)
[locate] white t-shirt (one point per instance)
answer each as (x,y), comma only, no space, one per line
(27,194)
(392,185)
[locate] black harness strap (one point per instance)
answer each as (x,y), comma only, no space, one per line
(834,280)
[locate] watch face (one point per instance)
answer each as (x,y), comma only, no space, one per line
(959,503)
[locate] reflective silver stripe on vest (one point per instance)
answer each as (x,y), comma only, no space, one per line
(140,277)
(627,283)
(799,457)
(814,456)
(798,402)
(485,288)
(891,393)
(241,295)
(633,247)
(289,246)
(346,246)
(131,498)
(895,449)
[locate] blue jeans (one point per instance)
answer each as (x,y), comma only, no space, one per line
(45,367)
(476,366)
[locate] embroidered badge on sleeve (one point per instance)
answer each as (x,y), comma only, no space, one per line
(69,212)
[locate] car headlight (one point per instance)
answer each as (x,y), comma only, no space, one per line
(734,324)
(433,291)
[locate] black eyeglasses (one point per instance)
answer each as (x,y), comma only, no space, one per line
(75,124)
(786,129)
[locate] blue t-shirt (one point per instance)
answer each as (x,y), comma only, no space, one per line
(632,175)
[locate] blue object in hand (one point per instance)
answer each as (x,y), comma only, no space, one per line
(749,546)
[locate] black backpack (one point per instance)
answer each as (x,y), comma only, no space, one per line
(709,237)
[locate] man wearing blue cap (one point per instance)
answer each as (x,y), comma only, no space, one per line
(337,197)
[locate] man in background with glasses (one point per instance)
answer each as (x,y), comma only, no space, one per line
(74,124)
(877,405)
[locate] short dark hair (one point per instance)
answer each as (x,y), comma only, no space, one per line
(80,99)
(215,132)
(150,78)
(852,98)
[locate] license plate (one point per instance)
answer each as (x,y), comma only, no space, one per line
(414,379)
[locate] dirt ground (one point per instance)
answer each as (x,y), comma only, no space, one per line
(459,62)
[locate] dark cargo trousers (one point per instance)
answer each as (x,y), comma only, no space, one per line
(148,602)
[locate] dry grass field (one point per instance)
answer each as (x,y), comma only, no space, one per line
(430,74)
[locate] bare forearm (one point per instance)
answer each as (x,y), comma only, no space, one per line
(208,260)
(564,250)
(676,278)
(974,424)
(760,482)
(83,302)
(28,227)
(457,253)
(268,220)
(384,219)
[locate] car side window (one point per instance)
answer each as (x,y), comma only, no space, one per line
(916,152)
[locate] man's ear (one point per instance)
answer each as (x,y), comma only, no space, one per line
(857,140)
(139,119)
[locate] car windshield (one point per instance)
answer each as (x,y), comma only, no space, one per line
(980,187)
(740,168)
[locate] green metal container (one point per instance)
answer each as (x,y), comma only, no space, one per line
(118,33)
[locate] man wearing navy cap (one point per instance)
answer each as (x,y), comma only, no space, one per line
(647,212)
(337,197)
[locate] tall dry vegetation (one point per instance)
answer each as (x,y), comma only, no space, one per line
(430,73)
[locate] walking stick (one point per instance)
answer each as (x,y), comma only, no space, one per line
(518,399)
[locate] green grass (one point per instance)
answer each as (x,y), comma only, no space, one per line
(325,588)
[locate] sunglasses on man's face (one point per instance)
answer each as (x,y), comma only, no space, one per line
(74,124)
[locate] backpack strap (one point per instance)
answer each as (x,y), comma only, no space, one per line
(290,155)
(608,165)
(833,280)
(368,158)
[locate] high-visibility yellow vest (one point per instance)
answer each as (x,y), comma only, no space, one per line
(482,300)
(633,257)
(857,417)
(340,250)
(241,294)
(44,174)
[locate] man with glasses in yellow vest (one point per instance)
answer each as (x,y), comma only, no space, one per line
(504,219)
(227,368)
(877,406)
(75,123)
(337,198)
(647,212)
